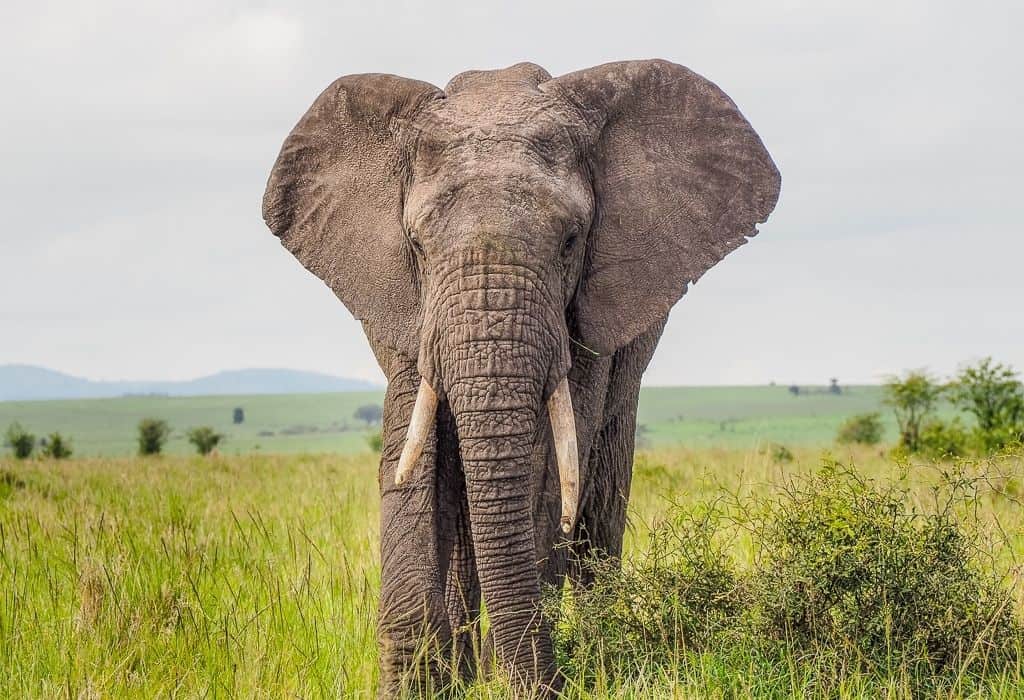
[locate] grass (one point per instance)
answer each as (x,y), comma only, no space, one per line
(257,576)
(736,417)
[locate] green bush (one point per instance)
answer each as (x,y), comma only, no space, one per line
(943,440)
(205,439)
(153,433)
(863,429)
(681,594)
(56,446)
(780,454)
(20,441)
(848,577)
(849,571)
(375,441)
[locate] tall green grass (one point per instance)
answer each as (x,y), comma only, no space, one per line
(257,576)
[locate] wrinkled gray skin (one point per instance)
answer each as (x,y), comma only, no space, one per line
(494,238)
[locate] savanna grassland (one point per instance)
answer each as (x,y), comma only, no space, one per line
(257,576)
(741,417)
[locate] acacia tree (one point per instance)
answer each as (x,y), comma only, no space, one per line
(57,446)
(370,413)
(205,439)
(153,434)
(993,394)
(912,398)
(20,440)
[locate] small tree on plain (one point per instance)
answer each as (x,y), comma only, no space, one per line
(993,394)
(913,398)
(56,446)
(20,441)
(153,433)
(238,416)
(370,413)
(205,439)
(375,441)
(862,429)
(794,390)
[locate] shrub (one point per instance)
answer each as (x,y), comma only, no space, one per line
(153,433)
(847,578)
(205,439)
(375,441)
(56,446)
(849,571)
(862,429)
(942,440)
(780,454)
(20,441)
(680,594)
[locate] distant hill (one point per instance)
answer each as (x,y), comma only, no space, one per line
(29,383)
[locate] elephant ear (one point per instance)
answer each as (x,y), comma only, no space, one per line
(334,198)
(680,180)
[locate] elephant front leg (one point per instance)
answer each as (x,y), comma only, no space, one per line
(610,461)
(413,629)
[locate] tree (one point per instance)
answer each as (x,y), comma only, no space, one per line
(205,439)
(794,390)
(991,392)
(20,440)
(833,386)
(153,433)
(912,398)
(863,429)
(370,413)
(56,446)
(238,416)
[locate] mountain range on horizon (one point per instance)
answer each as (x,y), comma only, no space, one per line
(32,383)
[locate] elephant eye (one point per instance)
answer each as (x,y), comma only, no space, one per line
(569,244)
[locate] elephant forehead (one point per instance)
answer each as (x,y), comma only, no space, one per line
(497,118)
(496,191)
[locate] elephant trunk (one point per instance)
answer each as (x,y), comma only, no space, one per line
(496,445)
(499,359)
(563,434)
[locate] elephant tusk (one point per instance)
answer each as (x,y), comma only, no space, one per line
(420,425)
(563,430)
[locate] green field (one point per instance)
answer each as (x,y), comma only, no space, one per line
(257,576)
(286,423)
(669,416)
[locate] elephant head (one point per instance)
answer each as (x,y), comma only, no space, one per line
(485,233)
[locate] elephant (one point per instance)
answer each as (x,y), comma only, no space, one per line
(512,246)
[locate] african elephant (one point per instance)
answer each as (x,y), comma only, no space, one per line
(512,245)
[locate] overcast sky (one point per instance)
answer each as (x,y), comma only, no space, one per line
(137,139)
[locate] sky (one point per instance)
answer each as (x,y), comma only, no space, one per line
(137,137)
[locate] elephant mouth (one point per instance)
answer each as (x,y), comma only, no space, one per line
(563,432)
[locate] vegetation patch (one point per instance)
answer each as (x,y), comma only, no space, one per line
(849,578)
(861,429)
